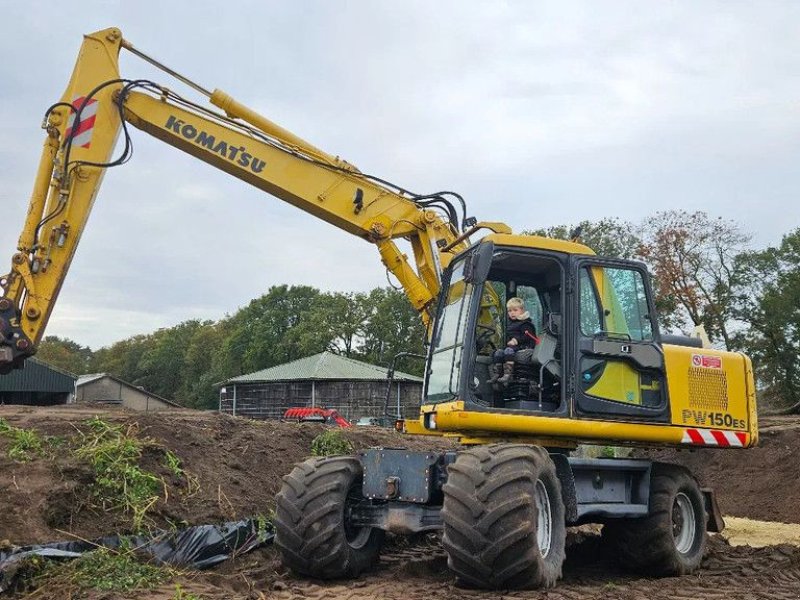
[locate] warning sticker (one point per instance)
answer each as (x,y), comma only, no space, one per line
(706,362)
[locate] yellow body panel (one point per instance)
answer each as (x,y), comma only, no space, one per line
(538,242)
(453,417)
(711,389)
(619,382)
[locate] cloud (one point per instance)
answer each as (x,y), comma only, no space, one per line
(538,113)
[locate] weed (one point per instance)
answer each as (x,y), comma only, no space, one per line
(181,594)
(173,463)
(25,444)
(330,443)
(264,527)
(608,452)
(104,570)
(175,466)
(120,483)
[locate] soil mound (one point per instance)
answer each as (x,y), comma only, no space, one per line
(235,465)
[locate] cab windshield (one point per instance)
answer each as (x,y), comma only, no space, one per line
(448,340)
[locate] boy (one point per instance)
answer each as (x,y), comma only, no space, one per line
(521,336)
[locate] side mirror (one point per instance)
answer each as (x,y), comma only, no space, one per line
(478,263)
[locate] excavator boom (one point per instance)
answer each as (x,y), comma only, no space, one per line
(82,131)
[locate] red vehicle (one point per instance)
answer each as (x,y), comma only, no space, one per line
(316,415)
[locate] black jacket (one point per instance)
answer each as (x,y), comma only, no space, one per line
(523,331)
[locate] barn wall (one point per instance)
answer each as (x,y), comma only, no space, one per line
(352,399)
(34,398)
(100,390)
(109,390)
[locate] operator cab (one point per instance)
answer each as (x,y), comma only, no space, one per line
(598,350)
(535,383)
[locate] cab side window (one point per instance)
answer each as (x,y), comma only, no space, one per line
(613,301)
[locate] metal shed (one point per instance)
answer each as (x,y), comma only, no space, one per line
(355,389)
(37,384)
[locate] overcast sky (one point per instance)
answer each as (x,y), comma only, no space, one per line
(539,113)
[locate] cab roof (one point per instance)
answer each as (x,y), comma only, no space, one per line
(538,241)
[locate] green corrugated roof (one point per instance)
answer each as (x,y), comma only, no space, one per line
(322,366)
(37,376)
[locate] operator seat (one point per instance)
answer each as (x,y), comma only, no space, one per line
(542,359)
(544,354)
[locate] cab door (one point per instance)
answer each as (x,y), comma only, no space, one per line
(618,363)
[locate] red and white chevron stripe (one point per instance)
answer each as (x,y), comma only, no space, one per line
(714,437)
(83,130)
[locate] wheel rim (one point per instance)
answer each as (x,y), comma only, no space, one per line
(544,518)
(355,535)
(683,523)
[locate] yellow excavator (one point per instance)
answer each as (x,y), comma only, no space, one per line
(598,372)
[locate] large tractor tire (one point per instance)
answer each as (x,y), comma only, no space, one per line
(504,518)
(312,525)
(671,540)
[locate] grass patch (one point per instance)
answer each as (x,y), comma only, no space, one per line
(331,443)
(104,570)
(24,444)
(120,483)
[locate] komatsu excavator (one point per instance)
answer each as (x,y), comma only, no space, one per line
(601,372)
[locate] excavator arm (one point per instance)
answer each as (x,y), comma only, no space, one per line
(82,131)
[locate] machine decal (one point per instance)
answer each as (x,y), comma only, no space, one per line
(232,152)
(714,437)
(717,419)
(83,130)
(706,362)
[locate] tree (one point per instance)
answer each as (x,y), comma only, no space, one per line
(65,354)
(345,316)
(121,358)
(768,301)
(285,324)
(203,366)
(161,368)
(693,259)
(393,326)
(607,237)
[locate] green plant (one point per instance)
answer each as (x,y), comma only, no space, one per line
(264,525)
(608,452)
(120,483)
(331,443)
(181,594)
(25,444)
(173,463)
(105,570)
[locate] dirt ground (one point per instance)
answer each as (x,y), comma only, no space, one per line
(238,465)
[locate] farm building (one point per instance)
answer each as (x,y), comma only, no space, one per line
(102,388)
(37,384)
(355,389)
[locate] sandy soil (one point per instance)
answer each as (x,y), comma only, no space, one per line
(747,532)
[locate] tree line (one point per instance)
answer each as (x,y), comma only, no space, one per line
(704,272)
(185,362)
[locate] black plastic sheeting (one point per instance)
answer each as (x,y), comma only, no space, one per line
(198,547)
